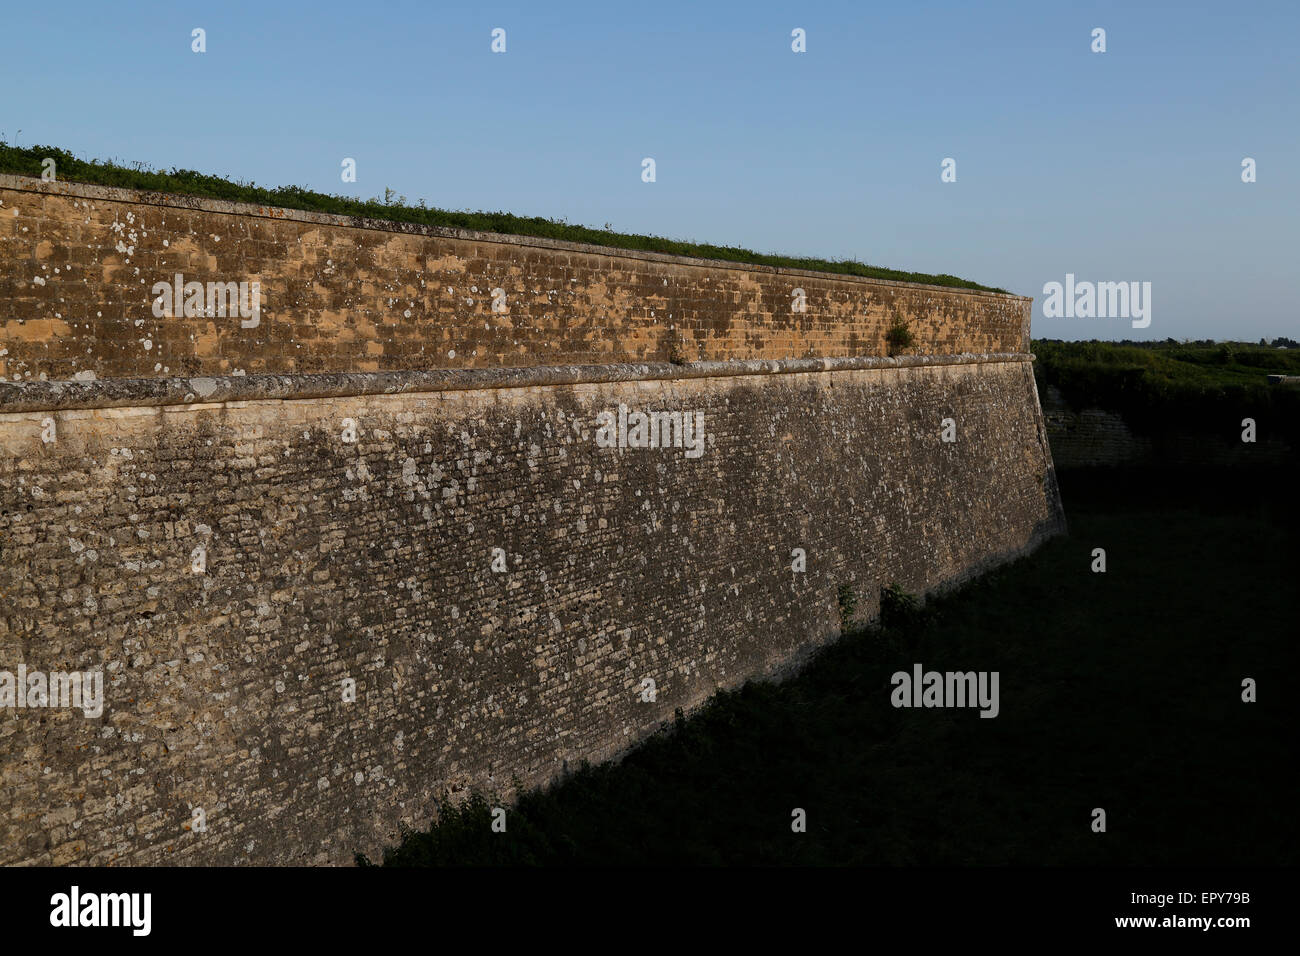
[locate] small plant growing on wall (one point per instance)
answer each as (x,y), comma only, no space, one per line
(898,608)
(848,602)
(899,338)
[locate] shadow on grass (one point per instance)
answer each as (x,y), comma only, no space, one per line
(1119,690)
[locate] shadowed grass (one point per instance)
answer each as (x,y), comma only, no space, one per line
(1119,690)
(1210,385)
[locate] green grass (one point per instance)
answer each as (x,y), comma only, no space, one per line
(1173,370)
(26,161)
(1118,690)
(1214,384)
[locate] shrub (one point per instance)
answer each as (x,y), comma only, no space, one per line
(848,602)
(899,338)
(898,608)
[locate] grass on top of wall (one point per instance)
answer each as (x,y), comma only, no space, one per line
(26,161)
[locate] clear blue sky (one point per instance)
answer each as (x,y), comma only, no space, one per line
(1117,166)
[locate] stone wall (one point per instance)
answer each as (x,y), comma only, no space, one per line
(348,295)
(233,551)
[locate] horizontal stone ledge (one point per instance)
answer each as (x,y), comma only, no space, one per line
(125,392)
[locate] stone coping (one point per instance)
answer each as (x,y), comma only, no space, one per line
(124,392)
(204,204)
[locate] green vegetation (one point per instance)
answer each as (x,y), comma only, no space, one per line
(1163,370)
(899,610)
(27,162)
(899,338)
(848,602)
(1207,382)
(1118,690)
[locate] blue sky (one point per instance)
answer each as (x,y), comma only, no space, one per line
(1115,166)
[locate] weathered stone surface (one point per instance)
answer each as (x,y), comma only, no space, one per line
(373,561)
(121,392)
(328,559)
(351,295)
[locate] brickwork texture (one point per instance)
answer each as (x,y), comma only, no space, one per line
(495,581)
